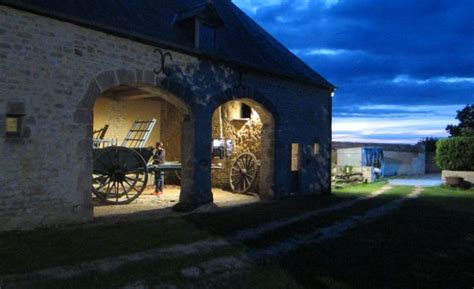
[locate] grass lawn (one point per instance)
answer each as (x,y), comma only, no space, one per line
(359,189)
(427,243)
(24,252)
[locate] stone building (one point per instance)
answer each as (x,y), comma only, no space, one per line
(69,67)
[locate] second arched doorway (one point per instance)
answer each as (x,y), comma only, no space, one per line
(243,148)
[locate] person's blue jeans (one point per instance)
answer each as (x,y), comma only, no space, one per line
(159,180)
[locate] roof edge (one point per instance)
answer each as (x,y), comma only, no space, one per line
(328,83)
(195,11)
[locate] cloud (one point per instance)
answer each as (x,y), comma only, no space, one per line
(322,51)
(422,39)
(441,79)
(393,123)
(252,6)
(430,109)
(404,130)
(330,3)
(456,79)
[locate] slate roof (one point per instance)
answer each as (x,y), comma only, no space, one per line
(240,41)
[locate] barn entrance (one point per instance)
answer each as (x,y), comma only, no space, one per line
(242,149)
(128,121)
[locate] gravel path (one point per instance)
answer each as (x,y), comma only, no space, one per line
(319,235)
(419,181)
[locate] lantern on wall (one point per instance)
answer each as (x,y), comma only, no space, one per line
(14,119)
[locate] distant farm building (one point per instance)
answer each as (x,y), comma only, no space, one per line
(391,159)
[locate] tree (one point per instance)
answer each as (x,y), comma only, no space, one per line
(466,122)
(429,142)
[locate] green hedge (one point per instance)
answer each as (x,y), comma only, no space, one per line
(455,153)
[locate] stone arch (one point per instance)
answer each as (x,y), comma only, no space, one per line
(170,90)
(113,78)
(244,92)
(269,117)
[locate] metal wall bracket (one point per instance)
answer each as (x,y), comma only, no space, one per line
(240,79)
(163,69)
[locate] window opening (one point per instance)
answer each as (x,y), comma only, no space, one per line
(295,157)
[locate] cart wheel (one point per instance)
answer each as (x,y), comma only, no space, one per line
(243,173)
(119,175)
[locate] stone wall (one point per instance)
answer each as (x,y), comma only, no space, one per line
(400,163)
(220,176)
(171,131)
(468,176)
(120,115)
(57,70)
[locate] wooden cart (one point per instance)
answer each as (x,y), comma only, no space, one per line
(120,173)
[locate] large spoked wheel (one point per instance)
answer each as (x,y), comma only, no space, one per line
(119,175)
(243,173)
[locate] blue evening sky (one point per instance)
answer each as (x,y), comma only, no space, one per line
(402,67)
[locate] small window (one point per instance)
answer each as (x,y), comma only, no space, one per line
(295,157)
(186,32)
(245,111)
(13,125)
(207,37)
(316,149)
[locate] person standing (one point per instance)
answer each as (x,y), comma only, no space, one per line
(159,155)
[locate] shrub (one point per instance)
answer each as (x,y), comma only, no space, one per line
(456,153)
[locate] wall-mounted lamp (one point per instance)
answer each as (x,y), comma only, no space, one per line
(14,119)
(13,124)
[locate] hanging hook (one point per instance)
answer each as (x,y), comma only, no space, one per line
(163,62)
(241,76)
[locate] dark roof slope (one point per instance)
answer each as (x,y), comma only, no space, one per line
(240,41)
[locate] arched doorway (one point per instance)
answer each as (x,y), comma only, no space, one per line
(133,113)
(243,148)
